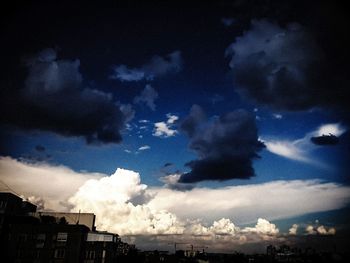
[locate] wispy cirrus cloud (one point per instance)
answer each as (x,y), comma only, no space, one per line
(288,149)
(301,149)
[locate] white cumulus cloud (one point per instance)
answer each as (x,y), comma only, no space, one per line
(293,230)
(263,227)
(331,128)
(319,230)
(165,129)
(113,198)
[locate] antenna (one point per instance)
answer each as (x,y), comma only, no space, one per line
(8,187)
(175,245)
(78,217)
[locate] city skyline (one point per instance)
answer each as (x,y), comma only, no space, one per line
(219,124)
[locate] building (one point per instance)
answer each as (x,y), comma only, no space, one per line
(87,219)
(30,236)
(47,242)
(101,247)
(13,210)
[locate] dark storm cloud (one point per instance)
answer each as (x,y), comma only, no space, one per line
(325,140)
(225,146)
(158,66)
(53,99)
(283,67)
(192,122)
(147,96)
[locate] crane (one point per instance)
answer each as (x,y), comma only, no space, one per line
(175,245)
(202,247)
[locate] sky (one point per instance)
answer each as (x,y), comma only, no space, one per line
(221,124)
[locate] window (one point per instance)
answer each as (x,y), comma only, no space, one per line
(22,238)
(62,237)
(60,253)
(40,240)
(90,254)
(3,204)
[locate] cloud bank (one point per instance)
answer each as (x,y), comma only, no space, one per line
(31,180)
(124,205)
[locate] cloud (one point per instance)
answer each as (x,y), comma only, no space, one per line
(171,118)
(319,230)
(223,227)
(194,119)
(281,67)
(300,149)
(167,164)
(161,129)
(129,113)
(30,180)
(328,134)
(38,201)
(172,181)
(246,203)
(123,73)
(325,140)
(144,147)
(54,99)
(225,146)
(263,227)
(156,67)
(293,230)
(111,198)
(277,116)
(147,96)
(331,128)
(124,205)
(310,230)
(287,149)
(164,129)
(143,121)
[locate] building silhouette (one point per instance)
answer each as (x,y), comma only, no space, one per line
(30,236)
